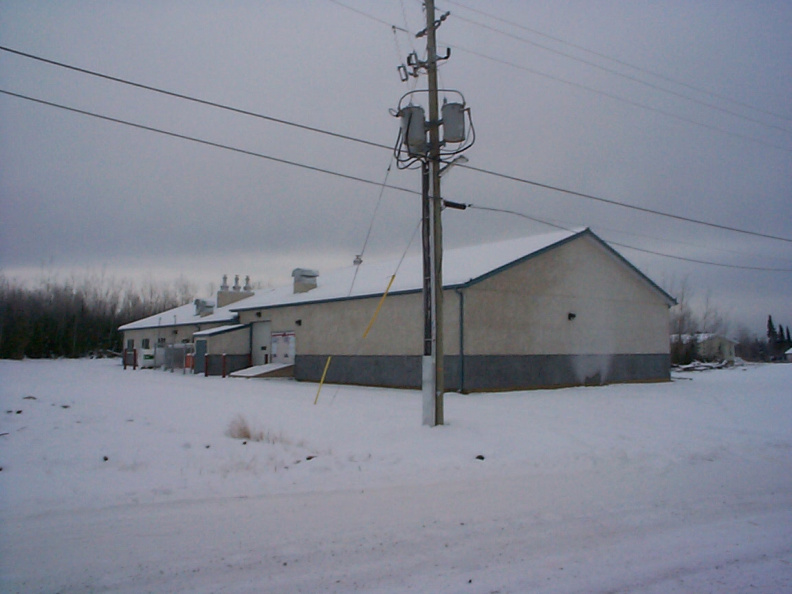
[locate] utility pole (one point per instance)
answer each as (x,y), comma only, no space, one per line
(414,147)
(435,227)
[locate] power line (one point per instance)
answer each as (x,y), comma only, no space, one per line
(737,266)
(193,99)
(354,178)
(632,247)
(210,143)
(618,61)
(603,93)
(623,204)
(369,16)
(619,98)
(626,76)
(382,185)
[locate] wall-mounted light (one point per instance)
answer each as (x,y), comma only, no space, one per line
(258,314)
(571,316)
(298,322)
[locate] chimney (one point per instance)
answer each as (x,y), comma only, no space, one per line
(304,279)
(226,295)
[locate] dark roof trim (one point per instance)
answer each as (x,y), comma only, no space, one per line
(586,232)
(518,261)
(222,330)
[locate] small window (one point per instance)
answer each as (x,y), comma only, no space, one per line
(130,343)
(145,343)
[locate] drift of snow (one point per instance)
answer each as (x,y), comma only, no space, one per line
(128,481)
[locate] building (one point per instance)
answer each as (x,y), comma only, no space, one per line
(559,309)
(708,346)
(148,342)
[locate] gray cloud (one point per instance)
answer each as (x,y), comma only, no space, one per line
(78,192)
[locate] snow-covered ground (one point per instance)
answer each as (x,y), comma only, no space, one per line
(126,481)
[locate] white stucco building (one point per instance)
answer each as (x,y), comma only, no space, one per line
(552,310)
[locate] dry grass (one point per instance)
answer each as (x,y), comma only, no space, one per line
(239,428)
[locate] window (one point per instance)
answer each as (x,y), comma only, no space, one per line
(146,344)
(130,344)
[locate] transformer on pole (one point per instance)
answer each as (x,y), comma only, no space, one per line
(420,145)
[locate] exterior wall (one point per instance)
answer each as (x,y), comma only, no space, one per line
(488,373)
(337,327)
(236,342)
(171,334)
(716,348)
(526,309)
(227,297)
(225,364)
(182,334)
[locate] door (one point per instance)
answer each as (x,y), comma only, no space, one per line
(260,343)
(199,358)
(283,347)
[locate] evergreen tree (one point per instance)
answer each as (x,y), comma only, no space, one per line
(771,331)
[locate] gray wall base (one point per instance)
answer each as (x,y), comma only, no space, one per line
(233,363)
(481,373)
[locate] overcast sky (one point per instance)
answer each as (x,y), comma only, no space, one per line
(680,107)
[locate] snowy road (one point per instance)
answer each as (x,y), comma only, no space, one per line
(597,532)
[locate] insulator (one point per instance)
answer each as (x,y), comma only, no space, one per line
(453,115)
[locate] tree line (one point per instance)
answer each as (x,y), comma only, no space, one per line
(78,316)
(778,340)
(688,320)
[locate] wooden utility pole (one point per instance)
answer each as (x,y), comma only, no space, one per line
(433,238)
(436,155)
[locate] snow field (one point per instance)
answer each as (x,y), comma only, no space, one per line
(126,481)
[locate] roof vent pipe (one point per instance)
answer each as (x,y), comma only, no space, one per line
(304,279)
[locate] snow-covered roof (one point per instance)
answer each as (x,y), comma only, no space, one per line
(460,266)
(181,316)
(700,337)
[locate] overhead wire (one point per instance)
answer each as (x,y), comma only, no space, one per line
(634,79)
(359,258)
(696,261)
(618,61)
(624,100)
(208,142)
(192,99)
(351,139)
(627,246)
(399,188)
(589,89)
(623,204)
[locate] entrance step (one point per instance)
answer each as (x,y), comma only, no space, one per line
(269,370)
